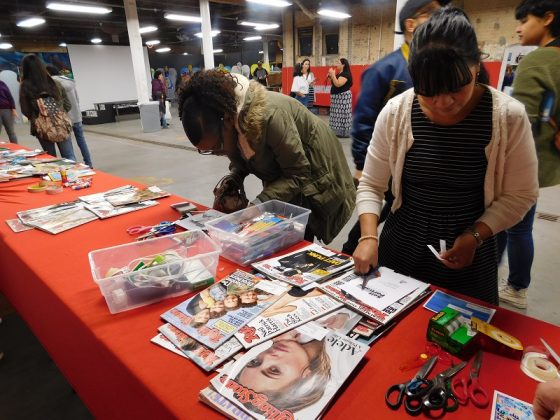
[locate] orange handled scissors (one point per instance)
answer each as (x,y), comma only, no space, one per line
(470,389)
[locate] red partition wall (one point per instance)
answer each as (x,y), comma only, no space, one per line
(322,85)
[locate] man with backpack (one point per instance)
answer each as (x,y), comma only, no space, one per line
(537,86)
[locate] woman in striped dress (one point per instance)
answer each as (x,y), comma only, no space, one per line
(340,115)
(463,163)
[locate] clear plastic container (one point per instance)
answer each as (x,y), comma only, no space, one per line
(244,247)
(143,272)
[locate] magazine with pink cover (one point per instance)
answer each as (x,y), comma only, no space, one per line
(294,308)
(218,402)
(291,375)
(215,314)
(312,263)
(204,357)
(343,287)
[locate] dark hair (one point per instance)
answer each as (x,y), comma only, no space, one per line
(157,73)
(539,8)
(36,79)
(309,61)
(207,98)
(52,70)
(346,65)
(441,53)
(297,69)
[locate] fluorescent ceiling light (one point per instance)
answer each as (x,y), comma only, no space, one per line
(333,14)
(219,50)
(65,7)
(62,44)
(183,18)
(5,46)
(266,27)
(261,52)
(252,38)
(147,29)
(29,23)
(163,50)
(153,42)
(275,3)
(185,53)
(96,41)
(213,33)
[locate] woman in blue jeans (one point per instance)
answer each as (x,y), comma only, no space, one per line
(35,82)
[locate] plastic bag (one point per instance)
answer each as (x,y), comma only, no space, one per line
(168,111)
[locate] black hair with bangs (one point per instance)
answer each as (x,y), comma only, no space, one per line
(539,8)
(441,53)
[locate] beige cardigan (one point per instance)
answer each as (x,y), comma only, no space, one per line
(510,184)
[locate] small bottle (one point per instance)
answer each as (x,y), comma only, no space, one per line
(63,176)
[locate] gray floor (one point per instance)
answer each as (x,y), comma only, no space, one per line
(31,387)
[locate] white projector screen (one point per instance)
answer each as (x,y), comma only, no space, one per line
(104,73)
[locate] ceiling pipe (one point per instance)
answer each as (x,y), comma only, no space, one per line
(305,10)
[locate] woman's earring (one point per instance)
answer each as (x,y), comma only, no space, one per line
(476,80)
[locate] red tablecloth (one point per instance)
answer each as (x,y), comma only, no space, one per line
(118,373)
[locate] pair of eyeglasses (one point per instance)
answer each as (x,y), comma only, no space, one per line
(220,150)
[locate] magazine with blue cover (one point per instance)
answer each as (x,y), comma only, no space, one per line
(215,314)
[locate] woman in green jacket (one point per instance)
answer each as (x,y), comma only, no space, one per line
(295,154)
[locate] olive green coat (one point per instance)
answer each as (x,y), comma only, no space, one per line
(297,157)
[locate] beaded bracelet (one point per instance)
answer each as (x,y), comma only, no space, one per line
(363,238)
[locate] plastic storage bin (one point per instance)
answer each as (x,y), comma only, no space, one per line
(245,249)
(144,272)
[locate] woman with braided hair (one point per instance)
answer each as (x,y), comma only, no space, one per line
(296,156)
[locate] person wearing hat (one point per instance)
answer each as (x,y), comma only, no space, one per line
(380,82)
(260,74)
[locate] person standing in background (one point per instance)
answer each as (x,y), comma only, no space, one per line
(8,112)
(36,81)
(537,86)
(382,81)
(340,115)
(159,93)
(309,77)
(260,74)
(75,114)
(182,81)
(300,88)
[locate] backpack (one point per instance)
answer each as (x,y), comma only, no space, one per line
(52,123)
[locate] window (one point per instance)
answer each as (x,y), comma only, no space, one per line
(305,37)
(330,38)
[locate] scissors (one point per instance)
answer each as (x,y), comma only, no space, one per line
(438,395)
(162,228)
(416,387)
(465,389)
(372,272)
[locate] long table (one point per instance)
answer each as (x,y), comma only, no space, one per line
(118,373)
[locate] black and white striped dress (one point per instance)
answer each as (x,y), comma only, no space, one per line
(443,194)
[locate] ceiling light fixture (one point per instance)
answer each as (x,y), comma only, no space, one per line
(333,14)
(30,22)
(219,50)
(266,27)
(77,8)
(185,53)
(62,44)
(153,42)
(147,29)
(183,18)
(261,52)
(213,33)
(163,50)
(5,46)
(252,38)
(96,41)
(274,3)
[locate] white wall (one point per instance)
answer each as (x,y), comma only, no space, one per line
(104,73)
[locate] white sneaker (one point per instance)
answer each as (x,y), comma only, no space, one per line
(510,295)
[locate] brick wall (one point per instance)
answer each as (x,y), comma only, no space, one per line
(369,34)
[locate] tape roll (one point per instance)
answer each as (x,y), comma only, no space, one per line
(35,188)
(54,189)
(506,339)
(537,366)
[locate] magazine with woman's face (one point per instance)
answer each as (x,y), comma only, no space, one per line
(291,375)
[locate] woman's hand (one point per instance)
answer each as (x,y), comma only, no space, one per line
(462,253)
(332,72)
(365,256)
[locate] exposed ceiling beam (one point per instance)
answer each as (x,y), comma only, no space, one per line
(305,10)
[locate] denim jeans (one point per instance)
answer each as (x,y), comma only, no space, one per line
(303,99)
(65,147)
(520,250)
(80,139)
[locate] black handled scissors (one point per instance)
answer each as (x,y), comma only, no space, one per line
(415,388)
(439,395)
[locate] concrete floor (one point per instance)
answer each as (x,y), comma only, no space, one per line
(166,159)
